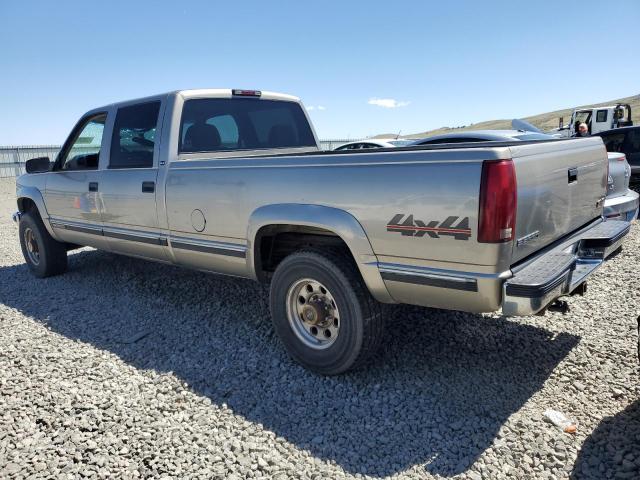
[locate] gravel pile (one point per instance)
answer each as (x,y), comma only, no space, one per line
(130,369)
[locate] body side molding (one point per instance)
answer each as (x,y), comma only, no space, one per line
(208,246)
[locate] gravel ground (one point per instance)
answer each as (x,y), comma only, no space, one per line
(124,368)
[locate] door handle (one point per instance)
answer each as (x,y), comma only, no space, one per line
(148,187)
(572,175)
(93,186)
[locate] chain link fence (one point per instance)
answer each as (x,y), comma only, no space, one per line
(12,159)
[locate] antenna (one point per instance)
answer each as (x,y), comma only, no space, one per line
(398,135)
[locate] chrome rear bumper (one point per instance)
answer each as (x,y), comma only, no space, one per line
(561,270)
(624,207)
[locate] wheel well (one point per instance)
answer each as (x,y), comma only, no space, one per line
(275,242)
(25,205)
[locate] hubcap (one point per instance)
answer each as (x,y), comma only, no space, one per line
(312,313)
(33,251)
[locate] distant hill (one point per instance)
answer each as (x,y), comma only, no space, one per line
(544,121)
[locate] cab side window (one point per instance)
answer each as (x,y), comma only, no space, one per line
(83,152)
(134,136)
(601,116)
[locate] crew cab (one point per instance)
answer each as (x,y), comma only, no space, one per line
(233,182)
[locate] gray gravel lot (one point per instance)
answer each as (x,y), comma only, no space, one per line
(123,368)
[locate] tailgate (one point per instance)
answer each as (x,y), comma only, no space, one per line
(561,187)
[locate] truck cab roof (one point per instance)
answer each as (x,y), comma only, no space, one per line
(205,93)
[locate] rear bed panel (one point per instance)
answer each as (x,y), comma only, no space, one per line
(550,205)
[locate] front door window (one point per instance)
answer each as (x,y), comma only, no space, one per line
(84,150)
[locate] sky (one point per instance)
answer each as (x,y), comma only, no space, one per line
(361,68)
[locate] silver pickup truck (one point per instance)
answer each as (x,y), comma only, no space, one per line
(233,182)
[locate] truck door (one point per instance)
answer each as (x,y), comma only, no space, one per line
(71,192)
(128,183)
(602,120)
(578,117)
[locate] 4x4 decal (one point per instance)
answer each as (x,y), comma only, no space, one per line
(417,228)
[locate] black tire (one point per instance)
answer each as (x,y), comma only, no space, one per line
(361,323)
(51,258)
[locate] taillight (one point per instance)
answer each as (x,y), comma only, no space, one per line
(622,158)
(498,197)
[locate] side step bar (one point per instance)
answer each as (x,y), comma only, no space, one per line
(561,270)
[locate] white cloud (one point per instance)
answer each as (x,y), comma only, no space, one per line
(312,107)
(387,102)
(320,107)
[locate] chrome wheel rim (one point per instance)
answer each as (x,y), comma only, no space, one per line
(31,245)
(313,313)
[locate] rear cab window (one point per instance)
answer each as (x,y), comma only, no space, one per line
(228,124)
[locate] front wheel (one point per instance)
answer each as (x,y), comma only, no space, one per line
(323,312)
(44,255)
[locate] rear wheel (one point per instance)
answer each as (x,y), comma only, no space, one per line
(323,312)
(44,255)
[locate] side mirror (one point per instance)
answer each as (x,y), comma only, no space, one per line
(37,165)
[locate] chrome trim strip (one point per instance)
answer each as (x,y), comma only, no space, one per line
(135,237)
(76,226)
(398,273)
(16,217)
(441,272)
(216,248)
(79,228)
(110,232)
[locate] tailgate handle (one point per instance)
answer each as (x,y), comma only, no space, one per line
(573,175)
(148,187)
